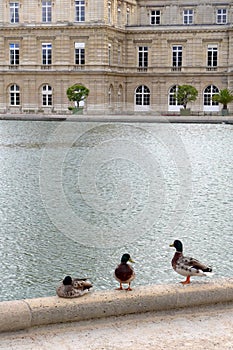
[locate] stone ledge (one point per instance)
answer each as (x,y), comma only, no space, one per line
(22,314)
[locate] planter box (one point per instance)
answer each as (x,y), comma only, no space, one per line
(185,111)
(225,111)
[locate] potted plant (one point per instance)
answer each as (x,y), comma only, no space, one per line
(184,95)
(224,97)
(77,93)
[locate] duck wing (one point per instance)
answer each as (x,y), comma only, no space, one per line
(195,264)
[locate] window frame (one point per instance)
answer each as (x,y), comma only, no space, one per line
(79,53)
(14,54)
(142,96)
(221,18)
(155,18)
(177,56)
(46,54)
(80,7)
(212,56)
(14,12)
(188,16)
(143,56)
(14,95)
(46,11)
(47,95)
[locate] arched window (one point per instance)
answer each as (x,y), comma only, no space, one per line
(172,101)
(47,97)
(210,105)
(14,95)
(142,96)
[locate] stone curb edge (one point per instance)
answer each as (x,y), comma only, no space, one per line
(22,314)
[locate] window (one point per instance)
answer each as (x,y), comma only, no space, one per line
(79,53)
(212,56)
(79,10)
(143,56)
(14,95)
(109,54)
(14,54)
(119,54)
(119,16)
(46,11)
(208,94)
(127,16)
(47,53)
(188,17)
(109,12)
(14,12)
(177,56)
(46,95)
(172,96)
(142,96)
(155,17)
(221,16)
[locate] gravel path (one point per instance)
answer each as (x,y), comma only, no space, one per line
(197,328)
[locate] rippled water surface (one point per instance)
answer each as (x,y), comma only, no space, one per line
(76,196)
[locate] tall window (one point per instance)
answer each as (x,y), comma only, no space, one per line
(79,53)
(143,96)
(172,96)
(14,95)
(155,17)
(177,56)
(188,17)
(47,95)
(119,54)
(127,16)
(109,12)
(109,54)
(221,16)
(46,53)
(143,56)
(14,54)
(46,11)
(14,12)
(209,92)
(79,10)
(212,56)
(119,16)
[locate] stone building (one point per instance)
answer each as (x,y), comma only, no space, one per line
(130,54)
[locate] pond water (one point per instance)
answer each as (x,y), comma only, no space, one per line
(75,196)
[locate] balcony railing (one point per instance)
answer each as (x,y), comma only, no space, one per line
(63,68)
(211,68)
(176,69)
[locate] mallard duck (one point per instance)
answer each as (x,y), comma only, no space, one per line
(187,266)
(124,272)
(73,288)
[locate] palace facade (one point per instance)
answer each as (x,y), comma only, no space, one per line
(130,54)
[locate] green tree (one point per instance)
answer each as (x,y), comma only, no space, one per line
(224,97)
(186,94)
(77,93)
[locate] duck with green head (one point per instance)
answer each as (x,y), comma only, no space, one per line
(124,272)
(187,266)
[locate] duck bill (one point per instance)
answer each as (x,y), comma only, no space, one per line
(131,260)
(171,245)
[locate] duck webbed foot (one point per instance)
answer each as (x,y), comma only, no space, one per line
(187,281)
(128,289)
(120,288)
